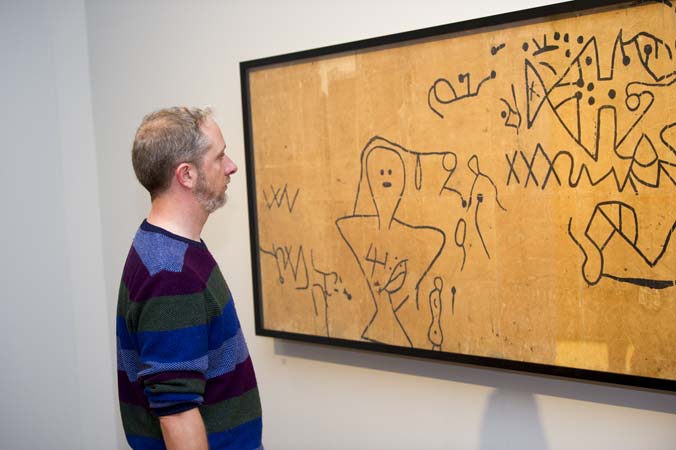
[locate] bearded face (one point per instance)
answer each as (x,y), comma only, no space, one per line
(210,197)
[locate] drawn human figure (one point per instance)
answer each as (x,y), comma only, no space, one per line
(483,190)
(393,256)
(479,206)
(434,333)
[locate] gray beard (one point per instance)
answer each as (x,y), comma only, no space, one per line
(209,200)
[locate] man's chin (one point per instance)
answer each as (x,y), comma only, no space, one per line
(212,204)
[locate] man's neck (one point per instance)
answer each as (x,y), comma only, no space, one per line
(183,218)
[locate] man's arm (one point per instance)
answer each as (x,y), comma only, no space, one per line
(184,431)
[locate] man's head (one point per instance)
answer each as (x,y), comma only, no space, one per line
(183,145)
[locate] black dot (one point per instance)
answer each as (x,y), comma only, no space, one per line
(493,74)
(568,53)
(578,95)
(464,204)
(592,100)
(382,172)
(580,39)
(389,172)
(566,37)
(580,82)
(611,93)
(525,46)
(503,114)
(461,77)
(648,49)
(588,60)
(626,60)
(557,36)
(590,87)
(480,197)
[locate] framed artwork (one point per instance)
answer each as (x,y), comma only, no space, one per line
(498,192)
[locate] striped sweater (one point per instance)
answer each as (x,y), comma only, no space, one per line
(180,345)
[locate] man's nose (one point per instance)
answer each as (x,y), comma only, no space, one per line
(230,167)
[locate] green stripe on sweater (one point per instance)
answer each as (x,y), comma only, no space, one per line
(173,312)
(140,422)
(218,292)
(231,413)
(177,386)
(218,417)
(167,313)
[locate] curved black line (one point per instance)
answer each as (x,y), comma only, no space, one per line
(586,258)
(461,244)
(549,66)
(429,103)
(478,230)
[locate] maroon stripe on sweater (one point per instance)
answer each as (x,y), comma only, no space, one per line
(231,384)
(167,284)
(135,272)
(131,393)
(143,287)
(200,261)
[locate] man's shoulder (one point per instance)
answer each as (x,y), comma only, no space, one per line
(159,261)
(159,252)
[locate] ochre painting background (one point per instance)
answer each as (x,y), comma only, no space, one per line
(505,193)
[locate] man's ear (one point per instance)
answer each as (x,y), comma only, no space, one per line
(186,175)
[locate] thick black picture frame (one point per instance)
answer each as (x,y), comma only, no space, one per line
(405,38)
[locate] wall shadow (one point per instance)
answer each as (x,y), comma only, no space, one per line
(626,396)
(512,421)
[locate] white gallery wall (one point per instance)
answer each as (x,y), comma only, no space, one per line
(57,377)
(77,77)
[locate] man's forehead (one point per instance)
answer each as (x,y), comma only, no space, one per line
(211,129)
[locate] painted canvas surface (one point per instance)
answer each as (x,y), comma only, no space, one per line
(505,192)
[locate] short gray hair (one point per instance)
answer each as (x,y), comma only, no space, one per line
(166,138)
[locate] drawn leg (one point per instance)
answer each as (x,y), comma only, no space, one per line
(384,326)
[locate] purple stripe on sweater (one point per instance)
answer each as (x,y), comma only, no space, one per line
(167,284)
(231,384)
(200,261)
(131,392)
(136,277)
(165,376)
(134,273)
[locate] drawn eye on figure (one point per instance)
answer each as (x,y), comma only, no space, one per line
(480,197)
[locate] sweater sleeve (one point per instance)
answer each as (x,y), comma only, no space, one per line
(172,341)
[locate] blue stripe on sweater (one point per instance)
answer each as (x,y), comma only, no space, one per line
(195,365)
(244,437)
(124,339)
(224,326)
(159,252)
(172,346)
(145,443)
(130,362)
(216,363)
(167,399)
(224,359)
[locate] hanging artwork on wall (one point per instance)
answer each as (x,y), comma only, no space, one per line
(497,192)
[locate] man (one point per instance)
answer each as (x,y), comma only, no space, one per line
(185,379)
